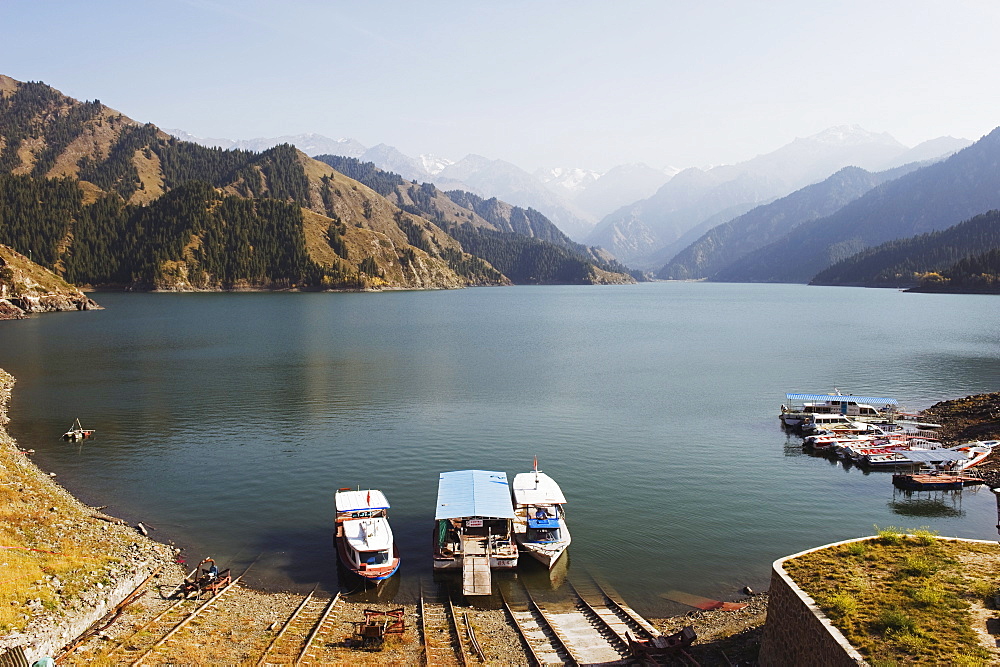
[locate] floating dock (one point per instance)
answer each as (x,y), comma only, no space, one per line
(933,481)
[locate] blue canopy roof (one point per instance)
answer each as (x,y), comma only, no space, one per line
(867,400)
(479,493)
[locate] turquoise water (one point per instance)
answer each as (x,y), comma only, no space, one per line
(227,421)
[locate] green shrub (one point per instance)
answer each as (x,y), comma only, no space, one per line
(926,596)
(889,535)
(895,620)
(842,604)
(918,566)
(858,549)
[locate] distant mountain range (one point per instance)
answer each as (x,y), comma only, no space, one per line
(931,198)
(648,233)
(105,201)
(574,199)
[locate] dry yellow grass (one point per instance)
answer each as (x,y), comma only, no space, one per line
(910,599)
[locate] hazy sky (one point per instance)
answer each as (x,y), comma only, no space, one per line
(537,83)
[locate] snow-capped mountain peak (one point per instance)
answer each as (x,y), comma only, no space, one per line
(434,164)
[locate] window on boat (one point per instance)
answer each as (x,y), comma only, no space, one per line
(543,534)
(375,557)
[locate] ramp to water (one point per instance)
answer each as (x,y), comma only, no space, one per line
(476,576)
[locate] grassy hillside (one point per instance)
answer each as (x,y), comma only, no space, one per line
(112,217)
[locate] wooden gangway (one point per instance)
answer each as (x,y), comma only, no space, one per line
(477,578)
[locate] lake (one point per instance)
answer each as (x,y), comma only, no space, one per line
(228,421)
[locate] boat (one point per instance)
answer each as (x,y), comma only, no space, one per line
(363,536)
(474,527)
(77,432)
(861,408)
(540,527)
(950,459)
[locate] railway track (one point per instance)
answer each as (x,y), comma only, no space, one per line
(309,626)
(449,638)
(591,625)
(159,635)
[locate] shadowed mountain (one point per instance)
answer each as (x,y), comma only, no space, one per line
(726,243)
(932,198)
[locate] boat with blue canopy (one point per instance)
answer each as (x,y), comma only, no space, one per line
(473,527)
(798,407)
(540,527)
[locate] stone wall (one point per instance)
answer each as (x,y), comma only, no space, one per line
(797,632)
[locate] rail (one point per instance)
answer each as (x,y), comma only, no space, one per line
(437,623)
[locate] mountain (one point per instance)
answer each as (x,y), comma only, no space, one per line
(907,262)
(976,274)
(310,144)
(931,150)
(482,176)
(103,200)
(932,198)
(640,233)
(649,232)
(725,243)
(598,194)
(530,248)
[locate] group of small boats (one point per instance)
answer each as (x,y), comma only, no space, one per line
(480,516)
(870,431)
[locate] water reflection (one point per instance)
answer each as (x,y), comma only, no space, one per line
(927,503)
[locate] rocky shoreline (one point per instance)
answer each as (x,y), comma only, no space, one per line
(975,417)
(26,288)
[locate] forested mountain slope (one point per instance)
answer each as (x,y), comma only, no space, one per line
(977,274)
(530,248)
(131,206)
(906,262)
(932,198)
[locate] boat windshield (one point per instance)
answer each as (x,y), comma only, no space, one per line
(543,535)
(374,557)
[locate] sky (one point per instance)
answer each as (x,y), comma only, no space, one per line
(539,83)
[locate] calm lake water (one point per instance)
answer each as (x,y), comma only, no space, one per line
(228,421)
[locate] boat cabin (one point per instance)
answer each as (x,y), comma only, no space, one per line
(800,406)
(538,504)
(474,518)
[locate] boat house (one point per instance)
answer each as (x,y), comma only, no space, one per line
(474,527)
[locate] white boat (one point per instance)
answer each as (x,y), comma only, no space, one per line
(955,458)
(540,516)
(77,432)
(363,536)
(861,408)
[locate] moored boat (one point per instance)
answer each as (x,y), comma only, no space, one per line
(77,432)
(540,523)
(474,518)
(861,408)
(363,536)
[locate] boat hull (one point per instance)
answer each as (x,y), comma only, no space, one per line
(547,554)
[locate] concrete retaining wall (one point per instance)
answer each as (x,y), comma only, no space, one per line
(797,632)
